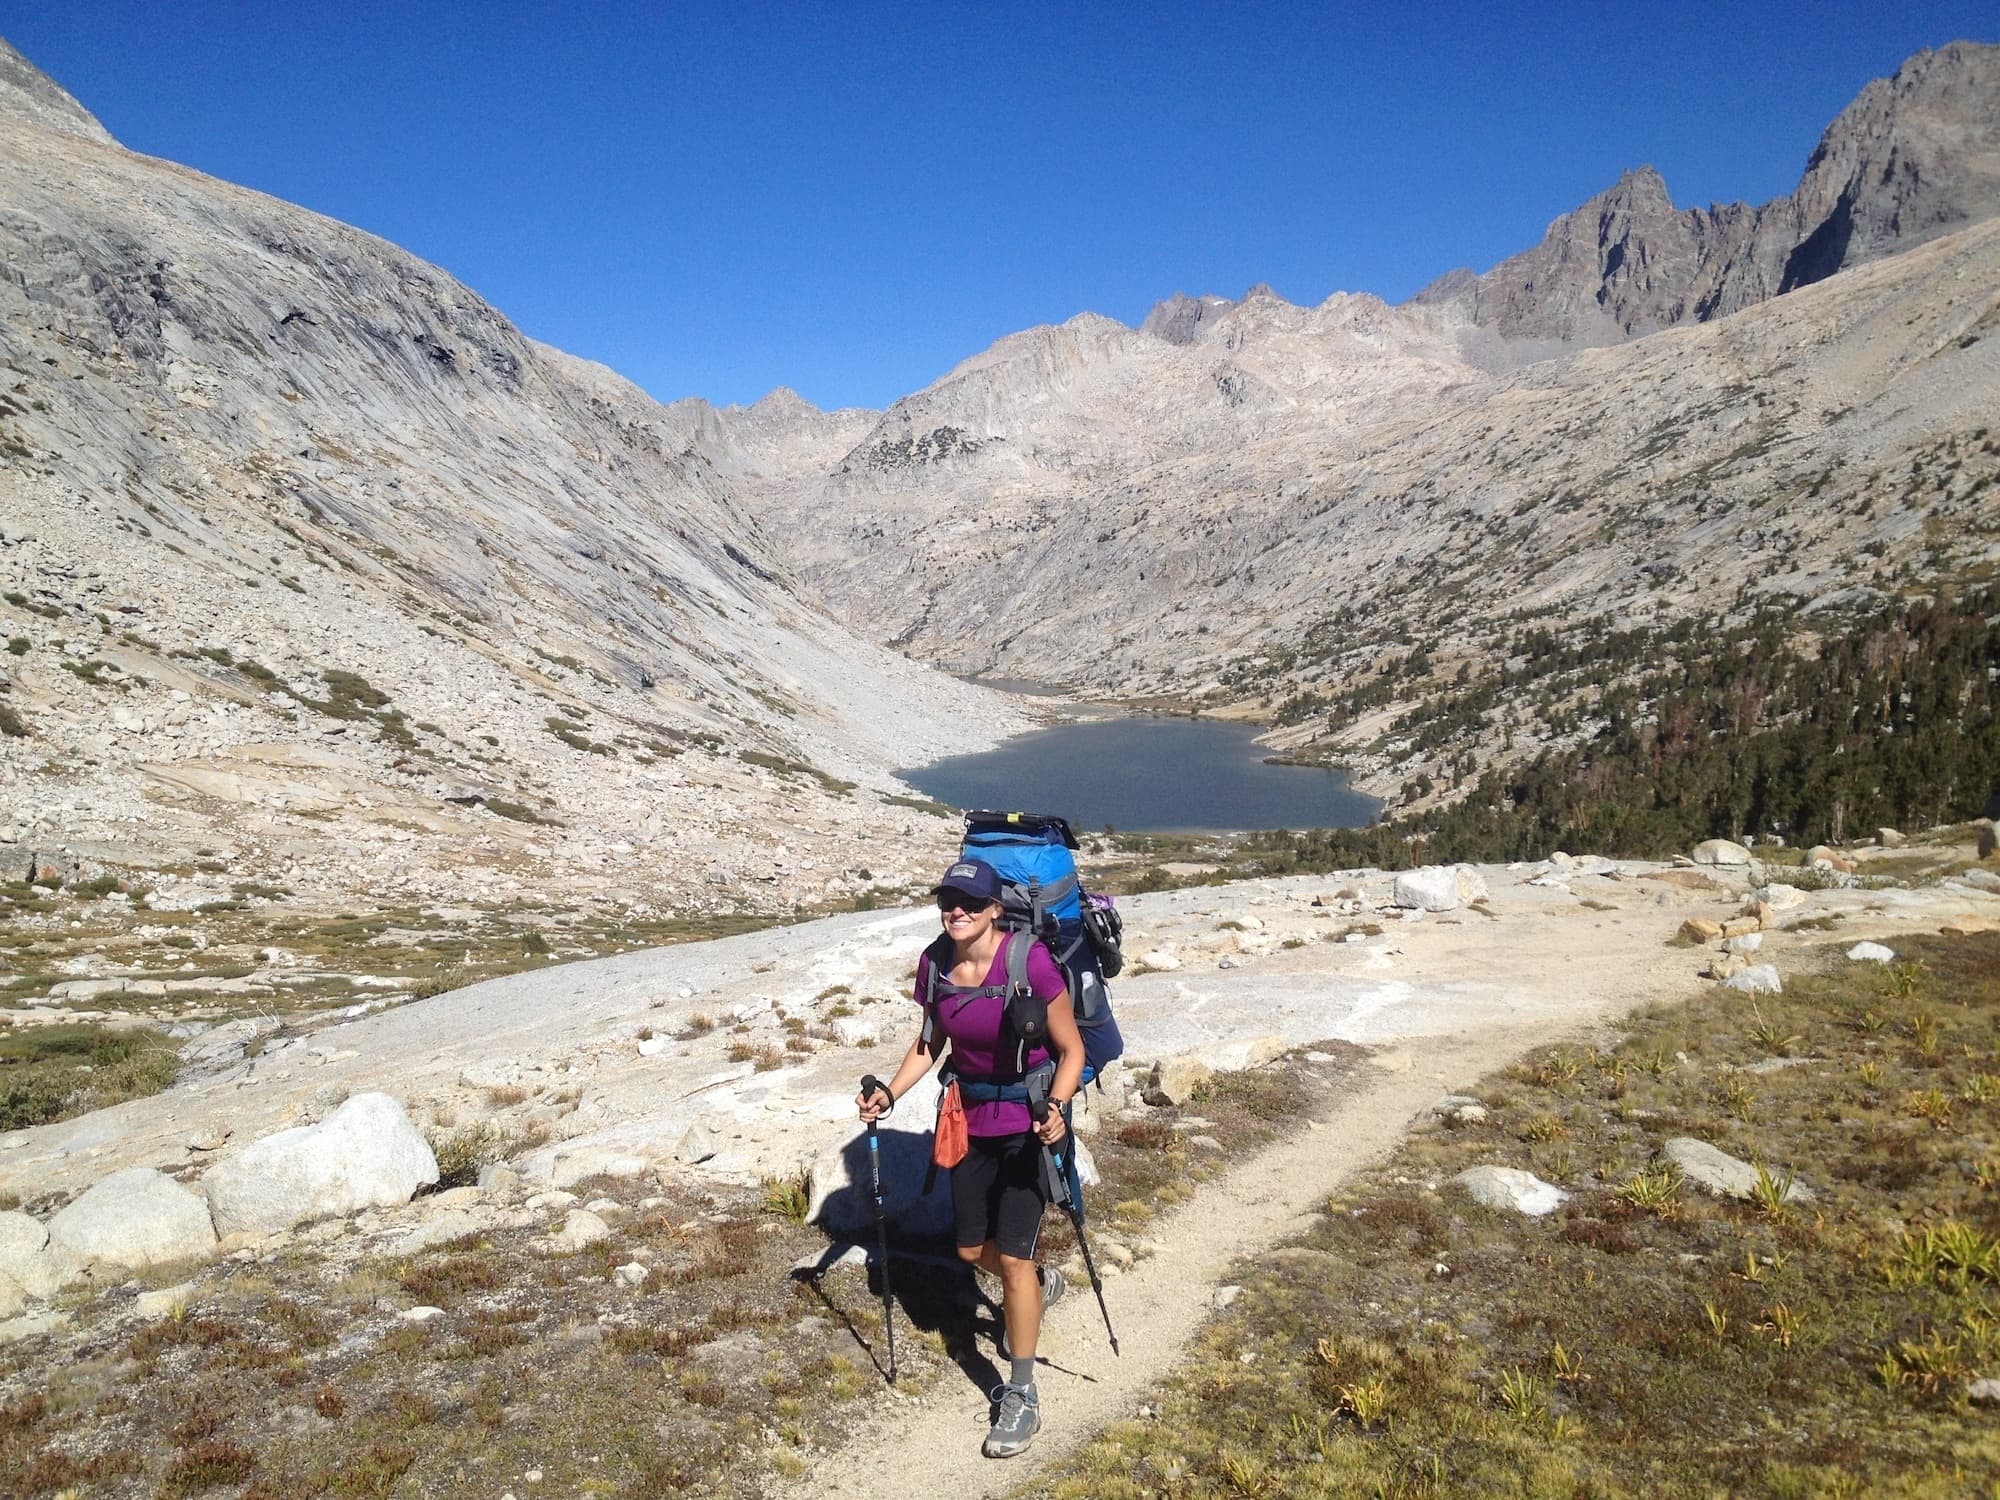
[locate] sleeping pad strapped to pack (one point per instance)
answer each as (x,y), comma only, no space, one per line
(1035,858)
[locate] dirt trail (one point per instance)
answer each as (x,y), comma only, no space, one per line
(930,1443)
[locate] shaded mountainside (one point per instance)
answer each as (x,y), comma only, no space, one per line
(297,524)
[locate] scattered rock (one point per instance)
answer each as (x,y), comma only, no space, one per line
(1224,1295)
(1889,838)
(32,1326)
(167,1302)
(1871,953)
(454,1224)
(365,1154)
(1988,841)
(1980,880)
(1748,942)
(1737,927)
(420,1314)
(1175,1080)
(136,1218)
(1438,888)
(631,1274)
(1720,852)
(1777,896)
(1758,979)
(581,1228)
(573,1166)
(1686,880)
(652,1046)
(1162,959)
(697,1144)
(1701,930)
(1983,1392)
(1718,1172)
(1511,1188)
(499,1180)
(1726,966)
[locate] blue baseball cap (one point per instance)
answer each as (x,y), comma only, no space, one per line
(971,877)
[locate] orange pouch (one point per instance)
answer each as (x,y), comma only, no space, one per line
(948,1145)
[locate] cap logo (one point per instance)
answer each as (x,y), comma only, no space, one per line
(970,871)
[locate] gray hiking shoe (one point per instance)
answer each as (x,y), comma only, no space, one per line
(1054,1284)
(1017,1417)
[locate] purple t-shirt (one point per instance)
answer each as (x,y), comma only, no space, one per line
(973,1027)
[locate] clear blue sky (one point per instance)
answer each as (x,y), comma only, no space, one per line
(716,199)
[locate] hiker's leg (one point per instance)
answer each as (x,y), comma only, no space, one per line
(986,1257)
(1020,1305)
(1017,1237)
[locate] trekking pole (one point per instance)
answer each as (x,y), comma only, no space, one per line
(1057,1170)
(871,1085)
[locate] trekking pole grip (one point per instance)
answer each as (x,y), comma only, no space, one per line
(871,1086)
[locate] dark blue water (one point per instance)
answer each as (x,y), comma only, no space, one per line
(1147,776)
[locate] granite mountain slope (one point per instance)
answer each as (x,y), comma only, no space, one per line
(311,555)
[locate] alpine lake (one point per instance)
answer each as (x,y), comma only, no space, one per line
(1147,775)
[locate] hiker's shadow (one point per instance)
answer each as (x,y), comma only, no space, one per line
(931,1289)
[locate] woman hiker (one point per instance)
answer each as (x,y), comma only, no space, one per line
(998,1192)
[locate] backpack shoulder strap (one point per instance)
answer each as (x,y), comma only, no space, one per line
(1015,946)
(934,964)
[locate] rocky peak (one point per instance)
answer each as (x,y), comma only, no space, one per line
(1914,156)
(783,401)
(1179,318)
(29,94)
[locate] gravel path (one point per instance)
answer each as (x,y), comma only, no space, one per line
(931,1442)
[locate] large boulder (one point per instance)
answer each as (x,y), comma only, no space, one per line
(366,1154)
(23,1237)
(1511,1188)
(1716,1171)
(135,1218)
(29,1261)
(1175,1079)
(1439,887)
(1757,979)
(1720,852)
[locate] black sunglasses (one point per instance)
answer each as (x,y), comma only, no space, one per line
(960,901)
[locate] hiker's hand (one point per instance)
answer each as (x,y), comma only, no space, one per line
(1050,1128)
(874,1103)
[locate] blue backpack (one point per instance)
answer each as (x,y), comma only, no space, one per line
(1040,894)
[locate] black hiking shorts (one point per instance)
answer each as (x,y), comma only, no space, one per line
(997,1193)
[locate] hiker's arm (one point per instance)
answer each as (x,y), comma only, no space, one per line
(919,1060)
(1067,1044)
